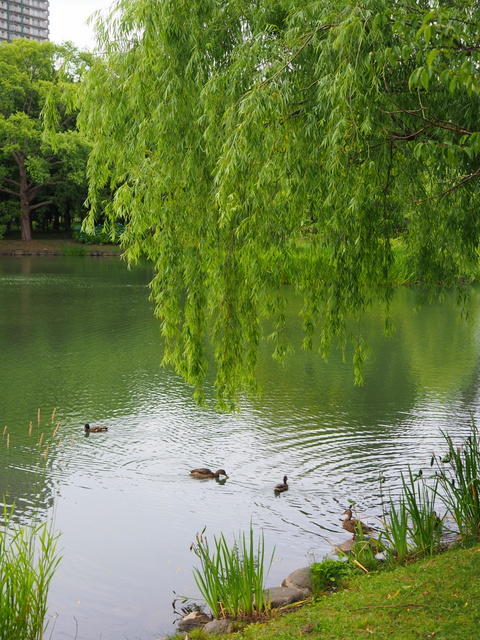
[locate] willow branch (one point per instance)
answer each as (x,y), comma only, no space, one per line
(324,27)
(463,181)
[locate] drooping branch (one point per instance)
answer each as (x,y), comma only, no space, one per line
(324,27)
(441,124)
(409,136)
(446,192)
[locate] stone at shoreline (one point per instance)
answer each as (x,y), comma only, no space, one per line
(300,579)
(193,620)
(281,596)
(346,546)
(218,626)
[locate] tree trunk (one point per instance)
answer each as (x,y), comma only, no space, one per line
(25,220)
(25,213)
(67,220)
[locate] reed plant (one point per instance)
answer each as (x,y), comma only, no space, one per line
(231,578)
(28,560)
(395,535)
(411,525)
(364,550)
(425,527)
(459,477)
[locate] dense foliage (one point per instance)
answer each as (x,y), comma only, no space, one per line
(40,176)
(227,128)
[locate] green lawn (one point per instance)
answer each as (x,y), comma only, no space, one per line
(437,598)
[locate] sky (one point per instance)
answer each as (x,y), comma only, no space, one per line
(68,20)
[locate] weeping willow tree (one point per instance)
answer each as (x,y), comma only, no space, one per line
(227,128)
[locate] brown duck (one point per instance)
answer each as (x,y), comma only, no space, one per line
(207,473)
(283,486)
(352,525)
(89,429)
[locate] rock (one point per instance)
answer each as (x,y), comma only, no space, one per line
(348,545)
(218,626)
(193,620)
(281,596)
(300,579)
(345,547)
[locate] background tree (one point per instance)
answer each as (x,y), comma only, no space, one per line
(36,171)
(223,127)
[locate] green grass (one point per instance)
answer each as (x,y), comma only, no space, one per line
(436,598)
(73,250)
(28,560)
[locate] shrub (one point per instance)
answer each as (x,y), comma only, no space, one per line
(328,574)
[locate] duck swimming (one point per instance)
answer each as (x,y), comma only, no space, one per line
(207,473)
(283,486)
(352,525)
(89,429)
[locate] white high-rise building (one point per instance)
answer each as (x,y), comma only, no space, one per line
(23,19)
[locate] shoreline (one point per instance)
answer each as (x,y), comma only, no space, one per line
(414,600)
(56,247)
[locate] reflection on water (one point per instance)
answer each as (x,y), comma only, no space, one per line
(78,334)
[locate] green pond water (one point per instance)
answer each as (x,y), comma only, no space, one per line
(78,335)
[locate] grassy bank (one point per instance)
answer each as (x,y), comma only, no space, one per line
(436,598)
(55,247)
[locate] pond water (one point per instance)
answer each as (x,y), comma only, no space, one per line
(77,334)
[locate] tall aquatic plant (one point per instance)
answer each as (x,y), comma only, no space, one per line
(395,535)
(425,526)
(459,477)
(364,550)
(28,560)
(231,578)
(411,525)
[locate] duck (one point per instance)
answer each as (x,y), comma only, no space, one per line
(352,525)
(89,429)
(283,486)
(207,473)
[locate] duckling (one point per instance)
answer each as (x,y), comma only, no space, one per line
(207,473)
(283,486)
(352,525)
(89,429)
